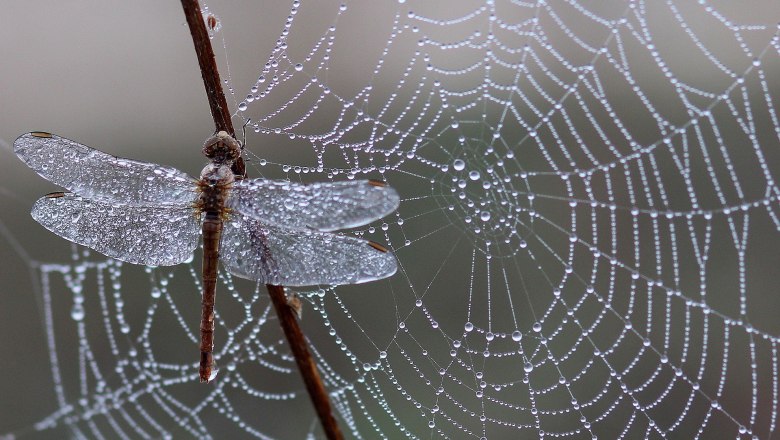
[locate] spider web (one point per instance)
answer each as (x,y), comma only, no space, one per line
(589,216)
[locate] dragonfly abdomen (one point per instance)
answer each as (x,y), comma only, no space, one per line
(214,184)
(212,231)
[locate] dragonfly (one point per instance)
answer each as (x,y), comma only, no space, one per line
(271,231)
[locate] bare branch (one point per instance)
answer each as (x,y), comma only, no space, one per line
(286,314)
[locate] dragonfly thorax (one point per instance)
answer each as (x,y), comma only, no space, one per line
(214,174)
(215,180)
(222,148)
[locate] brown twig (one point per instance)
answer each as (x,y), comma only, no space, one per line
(208,67)
(287,318)
(208,70)
(311,376)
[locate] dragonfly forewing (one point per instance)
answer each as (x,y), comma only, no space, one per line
(288,257)
(96,175)
(324,206)
(151,235)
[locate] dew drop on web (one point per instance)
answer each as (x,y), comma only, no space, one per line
(77,312)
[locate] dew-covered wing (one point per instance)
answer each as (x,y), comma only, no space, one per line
(292,257)
(152,235)
(97,175)
(325,206)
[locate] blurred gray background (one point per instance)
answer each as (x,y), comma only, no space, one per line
(123,77)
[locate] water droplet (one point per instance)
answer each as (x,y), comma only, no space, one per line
(474,175)
(242,106)
(484,216)
(517,336)
(299,67)
(537,327)
(77,312)
(468,327)
(528,367)
(458,165)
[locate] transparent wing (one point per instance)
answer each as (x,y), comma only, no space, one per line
(325,206)
(97,175)
(300,257)
(153,235)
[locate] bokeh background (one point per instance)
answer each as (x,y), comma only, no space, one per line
(123,77)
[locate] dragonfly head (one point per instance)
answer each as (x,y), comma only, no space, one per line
(222,148)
